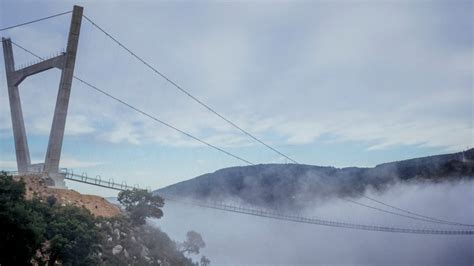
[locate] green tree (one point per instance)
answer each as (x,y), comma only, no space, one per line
(51,200)
(141,204)
(11,190)
(70,232)
(161,247)
(73,237)
(22,227)
(193,243)
(205,261)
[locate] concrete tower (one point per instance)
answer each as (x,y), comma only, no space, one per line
(65,62)
(19,133)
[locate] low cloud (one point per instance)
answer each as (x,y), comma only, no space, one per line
(236,239)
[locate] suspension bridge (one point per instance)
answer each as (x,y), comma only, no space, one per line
(65,62)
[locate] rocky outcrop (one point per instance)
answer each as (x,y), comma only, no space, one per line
(117,249)
(126,244)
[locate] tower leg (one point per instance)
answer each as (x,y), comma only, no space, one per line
(18,124)
(53,153)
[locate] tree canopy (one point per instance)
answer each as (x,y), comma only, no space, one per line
(43,232)
(27,225)
(73,236)
(193,243)
(141,204)
(23,227)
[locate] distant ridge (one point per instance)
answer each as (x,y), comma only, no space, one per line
(287,185)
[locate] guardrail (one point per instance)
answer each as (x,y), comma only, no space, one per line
(97,181)
(84,178)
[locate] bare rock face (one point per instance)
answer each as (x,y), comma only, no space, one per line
(145,252)
(117,249)
(117,233)
(128,244)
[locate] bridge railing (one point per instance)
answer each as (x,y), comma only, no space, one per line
(84,178)
(97,181)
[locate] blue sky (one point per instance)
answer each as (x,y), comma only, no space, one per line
(342,83)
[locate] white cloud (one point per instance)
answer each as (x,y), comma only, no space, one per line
(7,164)
(75,125)
(123,132)
(66,161)
(69,162)
(78,125)
(373,73)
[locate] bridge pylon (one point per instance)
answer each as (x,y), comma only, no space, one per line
(65,62)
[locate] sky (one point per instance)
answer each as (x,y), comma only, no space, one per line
(339,83)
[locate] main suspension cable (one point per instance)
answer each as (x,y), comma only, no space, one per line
(34,21)
(422,217)
(411,216)
(186,92)
(145,113)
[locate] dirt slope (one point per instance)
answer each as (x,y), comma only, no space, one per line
(98,206)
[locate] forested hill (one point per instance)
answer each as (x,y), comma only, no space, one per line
(292,184)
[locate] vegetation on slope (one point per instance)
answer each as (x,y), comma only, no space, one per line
(293,185)
(42,232)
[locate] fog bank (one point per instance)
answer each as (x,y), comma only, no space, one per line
(237,239)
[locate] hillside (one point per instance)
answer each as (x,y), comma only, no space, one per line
(288,185)
(48,226)
(37,188)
